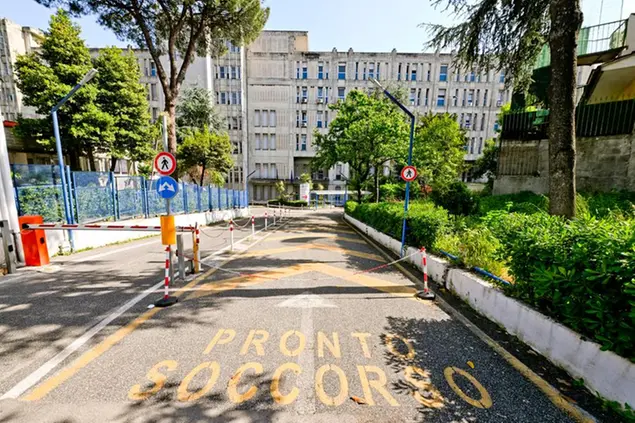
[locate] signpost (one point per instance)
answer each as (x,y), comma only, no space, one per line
(167,188)
(409,173)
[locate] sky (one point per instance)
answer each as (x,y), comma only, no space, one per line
(364,25)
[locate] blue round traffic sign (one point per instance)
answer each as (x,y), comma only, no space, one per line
(167,187)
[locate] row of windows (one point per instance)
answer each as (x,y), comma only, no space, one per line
(235,175)
(235,123)
(265,118)
(321,94)
(322,120)
(474,145)
(470,97)
(227,72)
(266,171)
(265,141)
(405,71)
(152,93)
(228,97)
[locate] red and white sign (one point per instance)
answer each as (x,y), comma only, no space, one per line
(409,173)
(165,163)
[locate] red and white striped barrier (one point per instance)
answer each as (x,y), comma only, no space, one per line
(253,225)
(231,234)
(166,300)
(426,294)
(91,227)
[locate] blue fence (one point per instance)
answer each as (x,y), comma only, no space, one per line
(99,196)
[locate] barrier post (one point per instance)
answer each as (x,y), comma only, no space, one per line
(253,226)
(180,254)
(266,220)
(426,294)
(231,235)
(167,300)
(196,248)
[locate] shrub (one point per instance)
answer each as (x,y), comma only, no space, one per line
(292,203)
(603,204)
(457,199)
(523,202)
(392,192)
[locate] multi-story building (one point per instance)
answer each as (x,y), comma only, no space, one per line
(290,87)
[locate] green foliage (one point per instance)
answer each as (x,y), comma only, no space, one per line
(392,192)
(123,97)
(457,199)
(292,203)
(305,178)
(605,204)
(45,201)
(45,76)
(176,29)
(367,132)
(487,164)
(523,202)
(281,189)
(210,151)
(196,110)
(438,150)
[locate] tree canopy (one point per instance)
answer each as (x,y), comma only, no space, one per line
(508,36)
(206,151)
(121,96)
(46,76)
(179,29)
(367,132)
(196,110)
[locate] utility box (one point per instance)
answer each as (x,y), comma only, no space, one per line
(36,252)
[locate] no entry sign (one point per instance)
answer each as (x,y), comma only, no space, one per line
(408,173)
(165,163)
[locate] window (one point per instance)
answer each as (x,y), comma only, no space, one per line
(297,118)
(297,142)
(256,118)
(303,142)
(155,113)
(258,170)
(455,98)
(320,116)
(413,72)
(297,94)
(235,98)
(478,95)
(326,72)
(234,72)
(356,70)
(273,120)
(472,145)
(326,119)
(233,123)
(272,141)
(338,172)
(413,96)
(429,73)
(470,98)
(258,145)
(371,70)
(153,92)
(341,93)
(441,98)
(223,98)
(464,98)
(399,72)
(472,75)
(457,76)
(297,70)
(305,94)
(485,98)
(320,70)
(501,96)
(501,78)
(468,118)
(482,123)
(222,73)
(341,71)
(265,170)
(378,69)
(320,94)
(427,98)
(480,145)
(305,70)
(237,147)
(265,118)
(326,94)
(146,72)
(304,121)
(419,97)
(265,141)
(407,71)
(153,68)
(364,71)
(274,171)
(443,73)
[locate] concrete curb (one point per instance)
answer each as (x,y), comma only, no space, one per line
(604,372)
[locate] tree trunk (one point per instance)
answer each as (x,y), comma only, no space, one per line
(359,193)
(113,163)
(74,160)
(202,174)
(91,160)
(376,185)
(566,18)
(171,109)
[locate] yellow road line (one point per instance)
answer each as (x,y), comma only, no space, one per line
(554,395)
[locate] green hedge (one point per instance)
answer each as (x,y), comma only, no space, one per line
(292,203)
(580,272)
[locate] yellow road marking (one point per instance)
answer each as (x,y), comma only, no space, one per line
(552,393)
(484,402)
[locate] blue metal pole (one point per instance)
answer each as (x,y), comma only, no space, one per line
(407,201)
(60,160)
(71,185)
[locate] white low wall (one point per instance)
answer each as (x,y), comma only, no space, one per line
(604,372)
(56,239)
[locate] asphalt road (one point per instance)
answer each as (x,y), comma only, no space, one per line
(296,328)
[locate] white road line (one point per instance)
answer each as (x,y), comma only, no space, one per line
(32,379)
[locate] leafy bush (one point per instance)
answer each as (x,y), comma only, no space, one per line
(523,202)
(603,204)
(392,192)
(291,203)
(457,199)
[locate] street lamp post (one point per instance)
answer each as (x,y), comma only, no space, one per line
(412,131)
(58,147)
